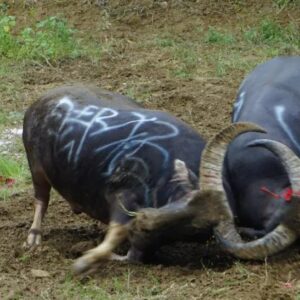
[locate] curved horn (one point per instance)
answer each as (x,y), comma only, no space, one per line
(286,232)
(211,179)
(214,153)
(273,242)
(290,161)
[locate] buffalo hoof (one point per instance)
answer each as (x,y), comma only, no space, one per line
(34,240)
(84,264)
(88,263)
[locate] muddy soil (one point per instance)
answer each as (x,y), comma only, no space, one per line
(191,270)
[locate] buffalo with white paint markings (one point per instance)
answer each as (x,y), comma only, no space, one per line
(136,170)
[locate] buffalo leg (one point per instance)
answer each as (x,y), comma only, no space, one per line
(116,234)
(42,195)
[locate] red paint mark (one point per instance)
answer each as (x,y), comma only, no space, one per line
(6,182)
(286,194)
(267,191)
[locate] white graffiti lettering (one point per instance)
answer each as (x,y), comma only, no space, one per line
(279,112)
(94,121)
(237,106)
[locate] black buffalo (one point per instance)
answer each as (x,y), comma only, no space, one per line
(135,169)
(256,181)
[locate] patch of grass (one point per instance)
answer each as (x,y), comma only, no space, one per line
(8,43)
(10,168)
(119,287)
(132,92)
(48,40)
(214,36)
(249,47)
(51,39)
(185,59)
(4,8)
(11,79)
(94,51)
(231,61)
(24,258)
(271,33)
(284,3)
(16,170)
(183,54)
(165,42)
(139,92)
(10,118)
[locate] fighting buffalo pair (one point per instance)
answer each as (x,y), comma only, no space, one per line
(151,177)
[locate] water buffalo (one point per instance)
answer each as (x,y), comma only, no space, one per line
(135,169)
(255,180)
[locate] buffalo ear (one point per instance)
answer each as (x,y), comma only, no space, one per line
(179,165)
(181,172)
(184,177)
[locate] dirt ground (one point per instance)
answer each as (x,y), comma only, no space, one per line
(190,270)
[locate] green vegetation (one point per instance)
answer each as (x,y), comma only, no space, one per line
(165,42)
(118,287)
(214,36)
(283,3)
(272,33)
(49,40)
(13,176)
(228,51)
(52,40)
(10,118)
(9,168)
(183,54)
(234,51)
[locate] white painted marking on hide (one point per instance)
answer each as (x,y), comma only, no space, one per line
(94,122)
(279,112)
(238,106)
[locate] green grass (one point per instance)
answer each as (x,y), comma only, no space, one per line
(10,168)
(223,51)
(242,50)
(281,4)
(270,32)
(49,40)
(183,54)
(11,83)
(119,287)
(15,169)
(10,118)
(138,92)
(186,56)
(52,40)
(215,36)
(165,42)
